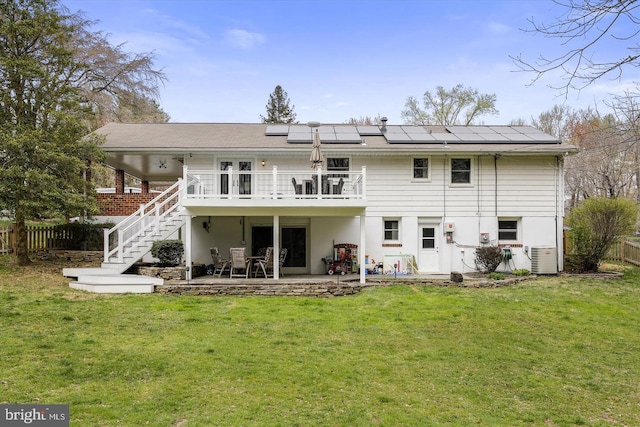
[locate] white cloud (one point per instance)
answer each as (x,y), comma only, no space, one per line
(498,28)
(244,39)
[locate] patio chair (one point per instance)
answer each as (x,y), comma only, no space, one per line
(219,264)
(283,256)
(296,187)
(238,262)
(265,264)
(337,189)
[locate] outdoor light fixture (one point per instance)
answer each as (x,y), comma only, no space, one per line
(263,163)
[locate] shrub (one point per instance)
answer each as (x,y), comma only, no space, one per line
(80,236)
(169,252)
(595,226)
(521,272)
(496,276)
(488,258)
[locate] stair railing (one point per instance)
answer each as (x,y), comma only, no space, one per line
(132,231)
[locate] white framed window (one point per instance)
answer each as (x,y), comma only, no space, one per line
(421,168)
(461,170)
(338,164)
(391,232)
(508,229)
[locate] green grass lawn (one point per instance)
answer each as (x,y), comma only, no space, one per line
(551,352)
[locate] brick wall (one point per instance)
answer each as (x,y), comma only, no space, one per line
(122,204)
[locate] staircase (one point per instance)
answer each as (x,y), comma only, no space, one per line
(128,242)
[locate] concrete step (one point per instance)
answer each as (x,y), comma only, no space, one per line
(113,289)
(95,271)
(116,283)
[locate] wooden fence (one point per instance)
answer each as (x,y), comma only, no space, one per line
(38,238)
(625,251)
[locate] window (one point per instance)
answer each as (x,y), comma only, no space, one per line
(428,238)
(338,164)
(391,229)
(420,168)
(507,229)
(461,171)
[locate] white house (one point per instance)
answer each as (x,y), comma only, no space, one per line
(420,197)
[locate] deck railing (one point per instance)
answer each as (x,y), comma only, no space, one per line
(274,184)
(128,233)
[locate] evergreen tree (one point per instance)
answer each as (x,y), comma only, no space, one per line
(278,109)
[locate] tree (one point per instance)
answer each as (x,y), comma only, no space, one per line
(604,166)
(48,79)
(458,106)
(594,227)
(278,109)
(365,120)
(583,27)
(555,121)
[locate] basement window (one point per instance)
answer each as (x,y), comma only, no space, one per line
(508,229)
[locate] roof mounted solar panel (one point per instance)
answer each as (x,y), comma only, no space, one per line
(460,129)
(482,130)
(448,137)
(327,135)
(368,130)
(426,137)
(277,130)
(397,137)
(494,137)
(518,137)
(299,138)
(347,135)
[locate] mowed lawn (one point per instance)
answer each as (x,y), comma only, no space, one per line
(554,351)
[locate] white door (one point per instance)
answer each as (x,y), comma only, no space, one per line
(241,182)
(429,256)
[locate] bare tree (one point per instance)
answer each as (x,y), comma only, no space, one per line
(458,106)
(604,167)
(582,28)
(626,108)
(555,121)
(365,120)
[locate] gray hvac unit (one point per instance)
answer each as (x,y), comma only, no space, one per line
(544,260)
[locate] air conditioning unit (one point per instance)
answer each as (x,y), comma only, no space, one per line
(544,260)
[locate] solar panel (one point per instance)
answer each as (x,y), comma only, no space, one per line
(347,135)
(449,137)
(298,137)
(369,130)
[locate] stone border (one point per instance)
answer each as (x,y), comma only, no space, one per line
(323,290)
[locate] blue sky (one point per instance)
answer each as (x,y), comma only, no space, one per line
(338,59)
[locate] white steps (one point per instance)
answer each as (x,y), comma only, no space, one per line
(106,281)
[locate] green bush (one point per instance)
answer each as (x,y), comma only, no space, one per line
(80,236)
(595,226)
(488,258)
(496,276)
(169,252)
(521,272)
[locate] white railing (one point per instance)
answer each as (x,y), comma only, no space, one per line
(130,233)
(234,184)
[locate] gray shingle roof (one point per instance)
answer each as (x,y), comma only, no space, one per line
(181,137)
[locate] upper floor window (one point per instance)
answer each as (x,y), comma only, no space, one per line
(461,171)
(420,168)
(338,164)
(507,229)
